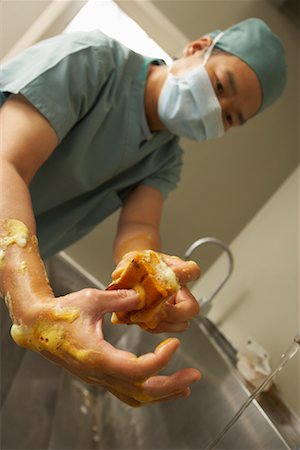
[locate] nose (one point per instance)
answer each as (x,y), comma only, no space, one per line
(226,103)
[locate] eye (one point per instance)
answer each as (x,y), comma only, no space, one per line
(228,118)
(220,88)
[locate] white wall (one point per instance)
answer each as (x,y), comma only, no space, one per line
(261,299)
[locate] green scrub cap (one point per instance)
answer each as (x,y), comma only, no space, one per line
(254,43)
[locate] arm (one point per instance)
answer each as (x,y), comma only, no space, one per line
(66,330)
(27,140)
(23,129)
(138,229)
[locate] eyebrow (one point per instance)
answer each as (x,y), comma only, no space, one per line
(234,90)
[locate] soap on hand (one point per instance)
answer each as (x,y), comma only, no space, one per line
(147,273)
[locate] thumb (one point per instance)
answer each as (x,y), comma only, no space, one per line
(120,300)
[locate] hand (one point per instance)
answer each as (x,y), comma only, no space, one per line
(68,331)
(181,307)
(174,314)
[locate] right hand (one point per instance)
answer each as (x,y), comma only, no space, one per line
(68,331)
(175,312)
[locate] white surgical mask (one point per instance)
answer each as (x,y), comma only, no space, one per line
(188,105)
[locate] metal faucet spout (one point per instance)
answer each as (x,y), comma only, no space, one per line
(205,302)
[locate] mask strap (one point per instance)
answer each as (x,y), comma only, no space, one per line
(207,53)
(211,47)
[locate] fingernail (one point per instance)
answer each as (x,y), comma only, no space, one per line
(164,343)
(132,293)
(186,393)
(198,377)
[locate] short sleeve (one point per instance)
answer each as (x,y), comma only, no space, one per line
(61,76)
(167,177)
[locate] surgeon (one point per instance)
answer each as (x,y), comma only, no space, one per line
(89,126)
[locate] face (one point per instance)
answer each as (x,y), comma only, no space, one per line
(237,88)
(235,84)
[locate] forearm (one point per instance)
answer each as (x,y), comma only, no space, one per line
(23,281)
(135,236)
(138,227)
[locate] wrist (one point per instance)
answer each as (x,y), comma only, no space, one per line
(51,330)
(135,238)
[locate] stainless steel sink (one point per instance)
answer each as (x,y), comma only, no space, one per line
(43,407)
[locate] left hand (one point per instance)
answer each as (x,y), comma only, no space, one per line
(179,309)
(175,313)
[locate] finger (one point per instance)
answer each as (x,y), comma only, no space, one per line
(125,398)
(184,270)
(131,401)
(185,308)
(177,383)
(95,301)
(187,271)
(166,327)
(183,394)
(125,260)
(127,366)
(118,300)
(128,392)
(159,388)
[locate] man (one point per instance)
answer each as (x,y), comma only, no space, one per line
(87,127)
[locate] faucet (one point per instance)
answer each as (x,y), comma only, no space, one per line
(205,302)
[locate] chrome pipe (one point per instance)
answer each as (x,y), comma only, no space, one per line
(205,302)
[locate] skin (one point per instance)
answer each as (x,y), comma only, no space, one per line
(240,95)
(27,140)
(68,330)
(160,314)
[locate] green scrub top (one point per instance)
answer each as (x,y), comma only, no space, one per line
(91,90)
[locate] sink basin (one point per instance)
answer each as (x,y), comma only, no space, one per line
(44,407)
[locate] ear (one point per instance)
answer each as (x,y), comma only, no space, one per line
(196,46)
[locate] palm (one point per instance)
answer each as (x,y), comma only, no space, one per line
(85,353)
